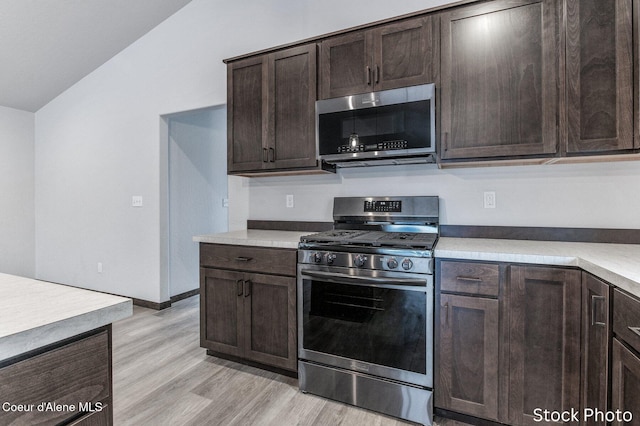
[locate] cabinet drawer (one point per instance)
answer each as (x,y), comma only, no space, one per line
(626,318)
(470,278)
(249,258)
(74,374)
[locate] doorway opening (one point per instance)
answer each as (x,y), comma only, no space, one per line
(196,193)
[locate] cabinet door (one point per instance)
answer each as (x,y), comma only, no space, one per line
(625,391)
(499,79)
(246,109)
(596,338)
(403,54)
(544,310)
(222,311)
(599,75)
(270,320)
(345,65)
(468,356)
(292,95)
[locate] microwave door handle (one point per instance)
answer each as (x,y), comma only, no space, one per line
(338,278)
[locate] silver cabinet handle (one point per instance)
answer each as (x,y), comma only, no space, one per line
(475,279)
(594,299)
(635,330)
(446,318)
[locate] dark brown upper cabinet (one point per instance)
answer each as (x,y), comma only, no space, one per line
(499,79)
(271,111)
(386,57)
(599,75)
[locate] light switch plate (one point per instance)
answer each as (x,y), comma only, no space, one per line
(136,201)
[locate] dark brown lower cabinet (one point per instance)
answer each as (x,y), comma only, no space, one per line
(625,371)
(59,384)
(544,342)
(468,355)
(625,391)
(250,316)
(596,338)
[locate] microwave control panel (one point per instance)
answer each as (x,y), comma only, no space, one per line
(380,146)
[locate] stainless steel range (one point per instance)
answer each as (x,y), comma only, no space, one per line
(365,306)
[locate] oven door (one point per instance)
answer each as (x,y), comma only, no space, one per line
(374,322)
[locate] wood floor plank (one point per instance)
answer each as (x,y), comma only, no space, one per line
(161,376)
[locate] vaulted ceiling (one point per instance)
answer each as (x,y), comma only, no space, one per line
(46,46)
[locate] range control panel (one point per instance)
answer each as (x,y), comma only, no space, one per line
(383,206)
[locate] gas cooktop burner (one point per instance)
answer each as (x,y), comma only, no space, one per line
(380,225)
(415,240)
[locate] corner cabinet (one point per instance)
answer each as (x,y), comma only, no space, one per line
(271,112)
(386,57)
(596,346)
(499,79)
(248,304)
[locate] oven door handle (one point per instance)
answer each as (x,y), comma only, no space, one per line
(336,277)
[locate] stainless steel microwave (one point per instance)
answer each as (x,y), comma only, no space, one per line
(388,127)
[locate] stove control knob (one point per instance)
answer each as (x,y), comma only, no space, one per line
(360,260)
(407,264)
(317,257)
(392,263)
(330,258)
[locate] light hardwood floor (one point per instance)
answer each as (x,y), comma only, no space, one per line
(161,376)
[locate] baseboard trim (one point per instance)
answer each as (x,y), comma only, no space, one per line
(185,295)
(167,304)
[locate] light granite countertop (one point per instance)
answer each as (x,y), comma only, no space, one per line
(255,237)
(35,313)
(618,264)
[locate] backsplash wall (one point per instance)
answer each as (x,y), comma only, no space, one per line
(596,195)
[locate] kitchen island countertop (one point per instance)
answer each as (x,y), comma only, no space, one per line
(618,264)
(35,313)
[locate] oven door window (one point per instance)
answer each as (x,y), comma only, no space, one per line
(383,326)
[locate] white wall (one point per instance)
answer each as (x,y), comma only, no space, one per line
(98,143)
(17,224)
(602,195)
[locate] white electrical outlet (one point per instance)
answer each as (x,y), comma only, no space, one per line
(489,200)
(225,202)
(289,201)
(136,201)
(99,267)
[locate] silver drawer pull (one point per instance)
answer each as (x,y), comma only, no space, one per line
(243,259)
(475,279)
(635,330)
